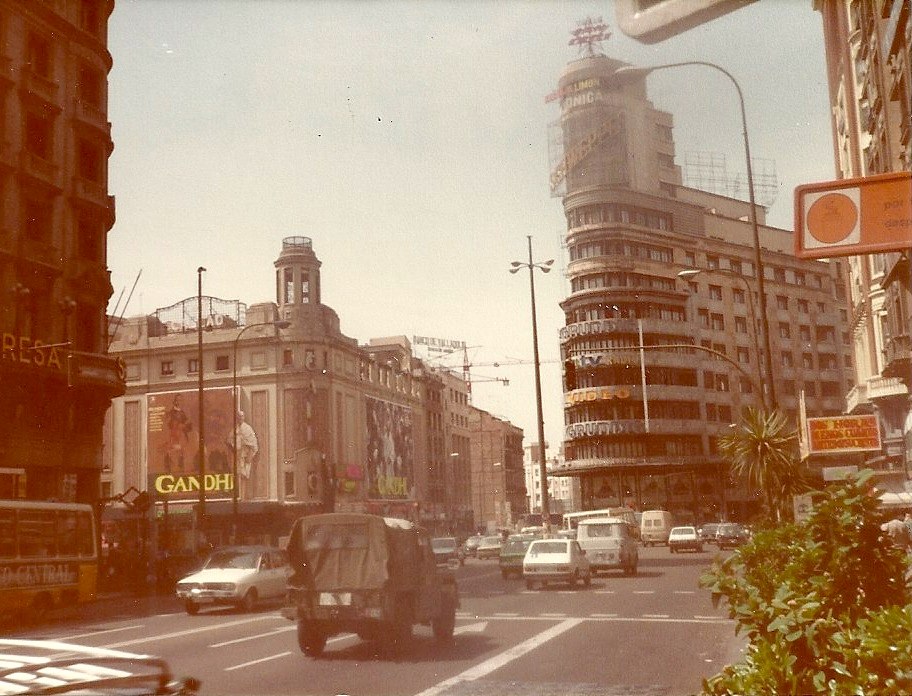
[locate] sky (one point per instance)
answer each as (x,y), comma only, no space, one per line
(409,141)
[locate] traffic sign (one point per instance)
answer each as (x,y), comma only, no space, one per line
(868,215)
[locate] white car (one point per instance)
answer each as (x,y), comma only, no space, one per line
(556,560)
(236,575)
(680,538)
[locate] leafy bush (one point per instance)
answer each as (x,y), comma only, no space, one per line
(824,604)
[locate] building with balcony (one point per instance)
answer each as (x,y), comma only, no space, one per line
(55,215)
(657,366)
(322,421)
(870,88)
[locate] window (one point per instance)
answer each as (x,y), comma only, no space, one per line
(287,357)
(725,413)
(821,307)
(704,317)
(193,366)
(90,238)
(740,325)
(747,387)
(711,412)
(38,216)
(38,56)
(715,292)
(782,302)
(807,361)
(39,135)
(718,322)
(738,295)
(803,306)
(787,360)
(690,259)
(305,287)
(799,278)
(90,162)
(90,86)
(221,363)
(167,367)
(289,484)
(712,262)
(736,266)
(804,332)
(743,356)
(785,330)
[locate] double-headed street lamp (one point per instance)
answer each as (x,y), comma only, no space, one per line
(630,73)
(544,267)
(280,324)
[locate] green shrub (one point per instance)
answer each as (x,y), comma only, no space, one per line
(824,604)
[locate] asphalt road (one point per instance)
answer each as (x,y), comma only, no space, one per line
(655,633)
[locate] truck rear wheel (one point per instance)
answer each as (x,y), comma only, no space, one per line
(311,638)
(444,623)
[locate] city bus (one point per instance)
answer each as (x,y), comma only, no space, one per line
(48,556)
(572,519)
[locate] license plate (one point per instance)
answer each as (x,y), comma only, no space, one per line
(335,599)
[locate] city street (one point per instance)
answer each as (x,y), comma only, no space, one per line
(656,633)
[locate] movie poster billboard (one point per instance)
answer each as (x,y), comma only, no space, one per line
(390,450)
(173,444)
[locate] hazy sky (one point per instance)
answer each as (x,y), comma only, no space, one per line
(409,141)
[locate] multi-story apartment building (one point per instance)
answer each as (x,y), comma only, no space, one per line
(320,421)
(55,214)
(868,43)
(641,424)
(498,481)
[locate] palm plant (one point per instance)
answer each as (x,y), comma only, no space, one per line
(763,448)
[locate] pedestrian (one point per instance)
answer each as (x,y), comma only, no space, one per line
(897,532)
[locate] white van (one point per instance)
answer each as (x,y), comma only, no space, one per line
(655,526)
(608,544)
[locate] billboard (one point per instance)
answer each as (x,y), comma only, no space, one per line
(835,434)
(172,436)
(390,450)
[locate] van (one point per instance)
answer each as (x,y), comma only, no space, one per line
(655,526)
(608,544)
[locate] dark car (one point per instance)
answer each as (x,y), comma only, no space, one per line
(708,532)
(512,553)
(731,535)
(470,548)
(447,551)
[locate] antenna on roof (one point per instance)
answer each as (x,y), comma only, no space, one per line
(126,304)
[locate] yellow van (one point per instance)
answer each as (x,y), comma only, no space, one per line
(655,526)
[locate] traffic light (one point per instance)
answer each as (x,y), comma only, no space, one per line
(651,21)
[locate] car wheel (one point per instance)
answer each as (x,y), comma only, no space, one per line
(311,639)
(248,601)
(671,549)
(191,607)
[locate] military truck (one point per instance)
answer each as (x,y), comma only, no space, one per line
(365,574)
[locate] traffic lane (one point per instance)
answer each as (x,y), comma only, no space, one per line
(612,656)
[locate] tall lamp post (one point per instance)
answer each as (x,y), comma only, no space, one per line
(280,324)
(630,73)
(201,409)
(544,267)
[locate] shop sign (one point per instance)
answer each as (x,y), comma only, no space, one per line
(600,394)
(23,350)
(599,326)
(598,428)
(843,434)
(168,483)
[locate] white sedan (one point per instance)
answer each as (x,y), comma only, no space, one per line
(236,575)
(556,560)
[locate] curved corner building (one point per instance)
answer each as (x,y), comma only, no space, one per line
(641,423)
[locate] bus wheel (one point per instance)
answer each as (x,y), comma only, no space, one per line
(192,608)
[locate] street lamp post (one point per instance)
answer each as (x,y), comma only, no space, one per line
(630,72)
(544,267)
(281,324)
(201,409)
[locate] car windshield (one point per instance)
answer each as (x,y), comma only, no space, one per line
(516,546)
(491,541)
(233,559)
(443,544)
(548,547)
(604,530)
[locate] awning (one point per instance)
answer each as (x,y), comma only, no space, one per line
(902,499)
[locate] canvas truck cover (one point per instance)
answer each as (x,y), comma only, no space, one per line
(351,551)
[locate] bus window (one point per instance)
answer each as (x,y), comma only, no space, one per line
(37,534)
(7,534)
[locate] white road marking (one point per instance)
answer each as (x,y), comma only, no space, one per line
(644,592)
(102,632)
(602,616)
(283,629)
(506,613)
(256,662)
(655,616)
(685,592)
(553,615)
(188,632)
(471,628)
(498,661)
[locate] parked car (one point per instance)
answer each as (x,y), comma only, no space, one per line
(609,544)
(470,548)
(682,538)
(731,534)
(708,531)
(489,547)
(236,575)
(556,560)
(447,551)
(512,554)
(50,666)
